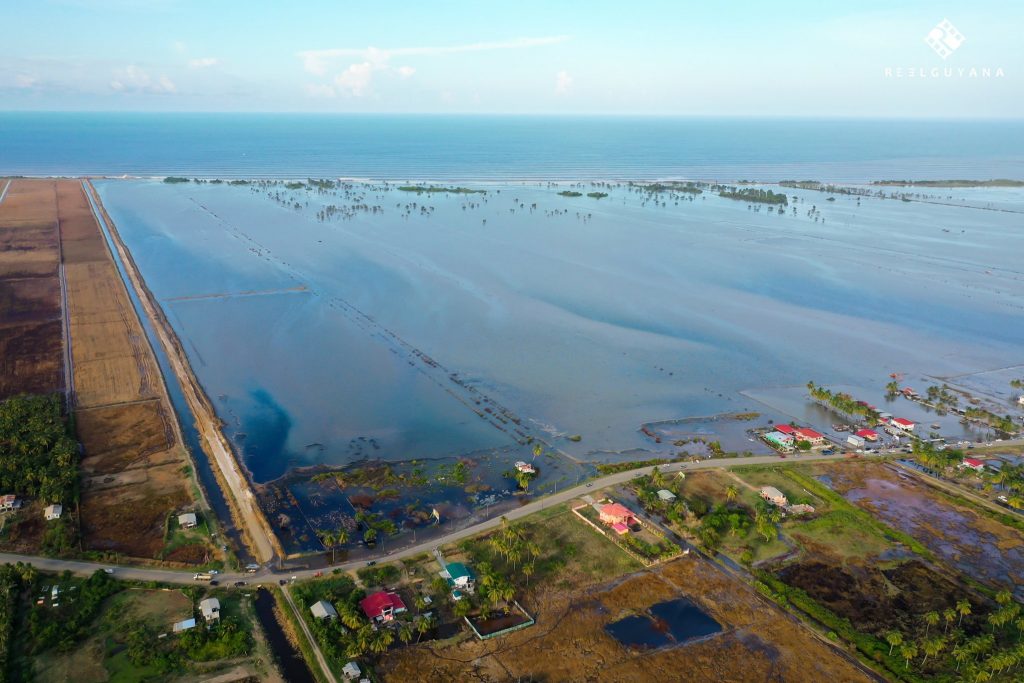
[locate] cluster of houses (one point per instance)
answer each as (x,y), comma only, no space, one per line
(10,502)
(785,437)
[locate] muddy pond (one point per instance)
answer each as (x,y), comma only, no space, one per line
(665,623)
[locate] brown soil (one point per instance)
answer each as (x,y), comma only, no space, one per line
(193,553)
(31,347)
(132,466)
(569,642)
(120,437)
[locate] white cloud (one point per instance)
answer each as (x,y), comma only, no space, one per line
(179,46)
(563,81)
(357,77)
(134,79)
(203,62)
(23,81)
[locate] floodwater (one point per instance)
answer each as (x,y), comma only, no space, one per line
(978,547)
(673,621)
(406,326)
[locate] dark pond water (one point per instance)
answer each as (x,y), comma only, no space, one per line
(673,621)
(289,660)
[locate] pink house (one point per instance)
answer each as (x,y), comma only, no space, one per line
(615,513)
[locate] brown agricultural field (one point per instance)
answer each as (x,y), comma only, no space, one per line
(133,466)
(31,348)
(569,642)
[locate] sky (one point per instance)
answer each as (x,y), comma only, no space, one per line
(863,59)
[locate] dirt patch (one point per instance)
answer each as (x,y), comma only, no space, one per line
(119,437)
(131,519)
(569,642)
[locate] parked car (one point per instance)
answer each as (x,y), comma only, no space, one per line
(214,582)
(239,583)
(108,570)
(282,582)
(371,563)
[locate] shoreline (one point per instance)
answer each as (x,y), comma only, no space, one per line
(241,499)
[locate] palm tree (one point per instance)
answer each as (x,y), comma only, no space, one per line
(930,619)
(894,638)
(1004,597)
(908,651)
(405,632)
(528,570)
(382,641)
(932,647)
(423,624)
(964,608)
(950,616)
(537,450)
(731,491)
(327,538)
(961,654)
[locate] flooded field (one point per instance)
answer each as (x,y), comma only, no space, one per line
(339,324)
(667,623)
(969,542)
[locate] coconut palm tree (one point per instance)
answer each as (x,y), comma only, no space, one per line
(950,616)
(731,491)
(963,607)
(961,654)
(932,647)
(895,639)
(327,538)
(405,632)
(1004,597)
(930,619)
(908,651)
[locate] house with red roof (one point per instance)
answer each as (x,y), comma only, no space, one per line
(903,423)
(382,606)
(808,434)
(785,429)
(973,464)
(867,434)
(614,514)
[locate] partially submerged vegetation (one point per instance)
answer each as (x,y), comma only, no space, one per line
(995,182)
(435,189)
(752,194)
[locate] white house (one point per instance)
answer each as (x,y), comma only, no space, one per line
(53,511)
(324,610)
(210,607)
(9,502)
(666,495)
(774,496)
(187,520)
(855,441)
(903,423)
(351,671)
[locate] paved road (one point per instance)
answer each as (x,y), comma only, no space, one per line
(267,575)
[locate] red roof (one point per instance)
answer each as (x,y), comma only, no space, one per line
(808,433)
(973,462)
(902,421)
(616,510)
(374,605)
(867,433)
(785,429)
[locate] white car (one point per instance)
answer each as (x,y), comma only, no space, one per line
(213,571)
(108,570)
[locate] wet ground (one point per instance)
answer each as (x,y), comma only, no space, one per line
(973,544)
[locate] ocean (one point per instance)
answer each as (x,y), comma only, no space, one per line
(496,148)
